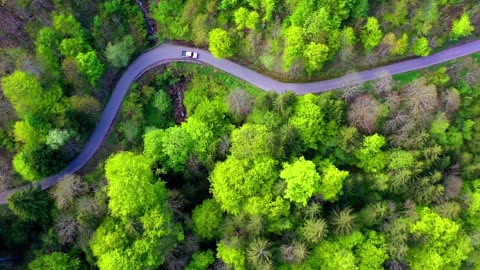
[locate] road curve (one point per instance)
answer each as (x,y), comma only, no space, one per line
(167,53)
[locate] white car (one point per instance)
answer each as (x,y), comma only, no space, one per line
(189,54)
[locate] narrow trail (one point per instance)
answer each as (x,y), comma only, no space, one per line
(167,53)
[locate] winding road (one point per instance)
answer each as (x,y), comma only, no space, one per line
(167,53)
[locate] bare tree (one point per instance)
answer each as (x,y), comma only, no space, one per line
(346,55)
(67,189)
(67,228)
(466,69)
(294,253)
(384,84)
(353,85)
(371,59)
(6,170)
(396,122)
(421,99)
(240,103)
(92,206)
(453,187)
(472,76)
(364,113)
(451,100)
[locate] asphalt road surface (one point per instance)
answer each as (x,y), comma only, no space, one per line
(171,53)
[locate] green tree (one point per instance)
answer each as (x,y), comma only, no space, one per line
(170,147)
(119,54)
(22,165)
(302,180)
(336,253)
(25,92)
(131,186)
(372,253)
(371,34)
(235,182)
(232,256)
(67,25)
(46,47)
(90,65)
(54,261)
(32,131)
(461,27)
(370,156)
(201,260)
(332,182)
(315,54)
(220,43)
(252,20)
(241,16)
(30,204)
(207,218)
(268,9)
(445,246)
(308,121)
(251,141)
(295,44)
(420,47)
(71,47)
(400,46)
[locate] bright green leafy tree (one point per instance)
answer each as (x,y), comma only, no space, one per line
(332,182)
(446,246)
(131,186)
(462,27)
(370,156)
(302,180)
(295,44)
(220,44)
(420,47)
(372,34)
(90,65)
(315,55)
(207,218)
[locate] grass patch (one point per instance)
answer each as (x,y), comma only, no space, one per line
(407,77)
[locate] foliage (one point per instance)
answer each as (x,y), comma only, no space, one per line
(207,219)
(446,246)
(90,65)
(420,47)
(371,35)
(302,180)
(220,43)
(26,94)
(30,204)
(54,261)
(462,27)
(201,260)
(370,156)
(119,54)
(132,189)
(332,182)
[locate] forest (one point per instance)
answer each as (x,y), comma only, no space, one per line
(204,171)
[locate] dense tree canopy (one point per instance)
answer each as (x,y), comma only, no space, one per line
(202,170)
